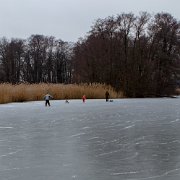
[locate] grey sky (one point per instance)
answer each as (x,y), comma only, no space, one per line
(69,19)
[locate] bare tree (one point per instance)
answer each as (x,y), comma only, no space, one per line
(137,55)
(164,36)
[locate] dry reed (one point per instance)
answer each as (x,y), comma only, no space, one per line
(177,91)
(34,92)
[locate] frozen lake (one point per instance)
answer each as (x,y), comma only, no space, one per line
(128,139)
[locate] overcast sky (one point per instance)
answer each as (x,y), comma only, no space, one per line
(69,19)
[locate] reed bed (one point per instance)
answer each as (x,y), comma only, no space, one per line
(36,92)
(177,91)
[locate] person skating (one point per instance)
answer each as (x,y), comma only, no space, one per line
(107,96)
(66,101)
(47,97)
(84,98)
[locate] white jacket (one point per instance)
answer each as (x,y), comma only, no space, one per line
(47,97)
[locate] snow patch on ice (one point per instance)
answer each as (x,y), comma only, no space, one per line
(76,135)
(175,121)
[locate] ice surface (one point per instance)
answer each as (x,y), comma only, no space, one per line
(127,139)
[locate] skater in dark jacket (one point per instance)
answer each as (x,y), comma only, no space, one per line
(47,97)
(107,96)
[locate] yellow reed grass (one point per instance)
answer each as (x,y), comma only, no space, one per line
(177,91)
(34,92)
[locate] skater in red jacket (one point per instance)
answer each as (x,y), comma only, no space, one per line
(84,98)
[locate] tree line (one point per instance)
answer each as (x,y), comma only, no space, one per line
(37,59)
(138,55)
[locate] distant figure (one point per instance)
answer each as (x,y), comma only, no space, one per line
(47,97)
(84,98)
(107,96)
(66,101)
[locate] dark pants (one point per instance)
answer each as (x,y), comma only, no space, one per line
(107,98)
(47,103)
